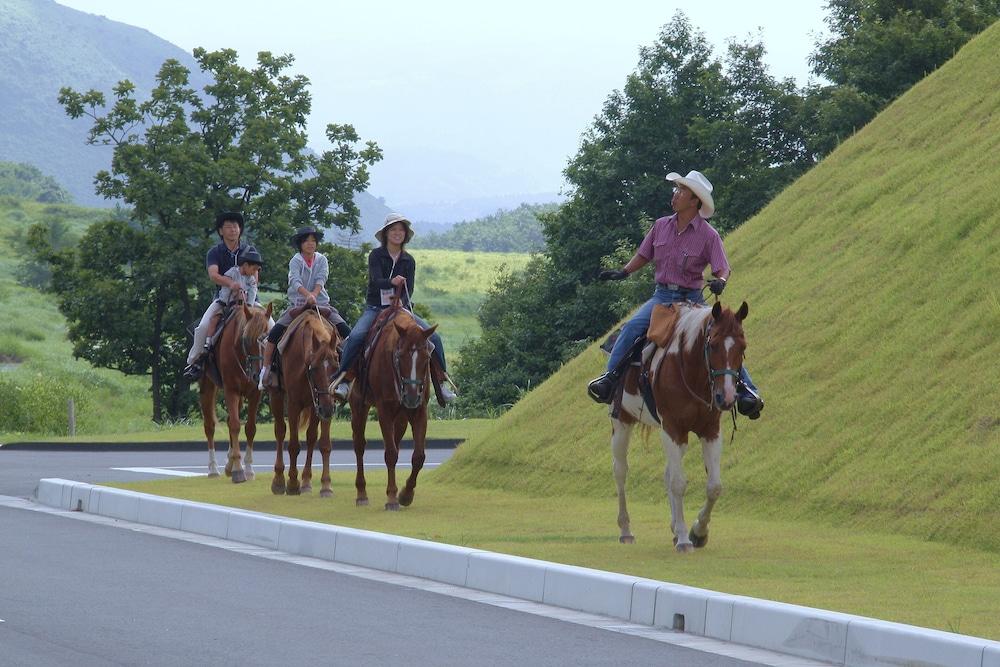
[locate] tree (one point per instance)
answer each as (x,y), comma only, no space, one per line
(130,288)
(877,49)
(681,109)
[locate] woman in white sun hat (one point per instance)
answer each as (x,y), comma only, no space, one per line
(389,266)
(681,245)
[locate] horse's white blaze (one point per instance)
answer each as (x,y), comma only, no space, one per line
(689,326)
(728,381)
(413,372)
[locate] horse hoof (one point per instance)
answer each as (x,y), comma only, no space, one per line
(239,477)
(250,475)
(392,507)
(698,540)
(361,502)
(406,499)
(278,489)
(627,539)
(307,488)
(326,493)
(292,490)
(685,548)
(214,473)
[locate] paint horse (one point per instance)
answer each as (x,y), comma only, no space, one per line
(308,363)
(395,378)
(237,360)
(694,384)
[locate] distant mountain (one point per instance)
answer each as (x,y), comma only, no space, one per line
(447,214)
(517,230)
(44,47)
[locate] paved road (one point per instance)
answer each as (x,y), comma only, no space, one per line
(82,590)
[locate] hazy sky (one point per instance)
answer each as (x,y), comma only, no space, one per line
(502,91)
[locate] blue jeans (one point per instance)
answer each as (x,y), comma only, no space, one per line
(639,323)
(356,340)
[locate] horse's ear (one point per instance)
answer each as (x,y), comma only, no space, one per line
(429,332)
(716,311)
(269,309)
(742,313)
(400,329)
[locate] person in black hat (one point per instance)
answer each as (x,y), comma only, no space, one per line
(247,274)
(219,260)
(308,271)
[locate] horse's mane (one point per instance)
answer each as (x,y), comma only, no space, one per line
(320,331)
(256,326)
(690,325)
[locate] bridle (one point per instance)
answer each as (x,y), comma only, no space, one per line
(323,389)
(401,381)
(711,372)
(249,359)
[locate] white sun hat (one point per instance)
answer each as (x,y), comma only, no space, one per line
(392,219)
(700,186)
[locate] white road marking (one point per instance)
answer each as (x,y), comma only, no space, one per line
(185,471)
(704,644)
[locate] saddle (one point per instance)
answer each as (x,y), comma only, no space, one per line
(274,377)
(211,362)
(643,356)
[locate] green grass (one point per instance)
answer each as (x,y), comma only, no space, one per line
(34,390)
(454,283)
(873,285)
(811,563)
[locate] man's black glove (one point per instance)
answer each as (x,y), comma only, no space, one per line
(612,274)
(716,286)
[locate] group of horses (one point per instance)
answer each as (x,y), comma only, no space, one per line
(692,380)
(303,396)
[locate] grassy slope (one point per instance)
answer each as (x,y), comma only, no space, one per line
(874,289)
(32,329)
(454,283)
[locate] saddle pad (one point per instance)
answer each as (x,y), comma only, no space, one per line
(662,324)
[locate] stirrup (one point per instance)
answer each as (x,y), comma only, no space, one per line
(342,390)
(748,402)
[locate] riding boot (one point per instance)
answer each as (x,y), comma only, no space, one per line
(439,377)
(341,385)
(748,398)
(194,370)
(602,389)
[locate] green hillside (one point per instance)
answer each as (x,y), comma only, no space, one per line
(874,291)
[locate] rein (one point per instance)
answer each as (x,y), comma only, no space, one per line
(712,373)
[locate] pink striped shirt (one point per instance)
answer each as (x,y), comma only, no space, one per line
(681,257)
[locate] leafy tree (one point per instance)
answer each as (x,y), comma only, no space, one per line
(681,109)
(877,49)
(130,288)
(26,181)
(518,230)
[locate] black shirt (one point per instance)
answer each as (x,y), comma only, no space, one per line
(223,257)
(381,271)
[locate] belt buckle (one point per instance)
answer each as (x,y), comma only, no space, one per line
(675,287)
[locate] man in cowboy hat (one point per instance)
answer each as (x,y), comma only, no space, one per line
(681,245)
(220,259)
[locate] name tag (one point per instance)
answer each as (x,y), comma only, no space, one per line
(387,295)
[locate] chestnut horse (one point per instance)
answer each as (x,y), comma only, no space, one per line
(237,358)
(396,380)
(308,363)
(694,384)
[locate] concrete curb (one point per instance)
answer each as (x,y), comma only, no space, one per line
(841,639)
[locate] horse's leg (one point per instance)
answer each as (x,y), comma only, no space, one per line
(307,467)
(388,426)
(620,435)
(250,429)
(711,452)
(676,483)
(419,424)
(207,399)
(278,413)
(359,419)
(293,449)
(324,449)
(233,402)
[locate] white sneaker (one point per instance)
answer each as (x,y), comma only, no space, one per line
(342,391)
(447,394)
(263,377)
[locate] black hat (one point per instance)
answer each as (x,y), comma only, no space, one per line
(303,232)
(226,216)
(252,256)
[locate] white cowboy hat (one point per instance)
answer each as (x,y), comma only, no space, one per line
(700,186)
(392,219)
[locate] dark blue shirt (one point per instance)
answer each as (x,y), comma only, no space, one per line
(223,257)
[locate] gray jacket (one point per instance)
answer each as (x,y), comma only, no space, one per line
(248,283)
(300,275)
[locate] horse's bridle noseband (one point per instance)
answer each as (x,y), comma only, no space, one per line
(402,382)
(317,393)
